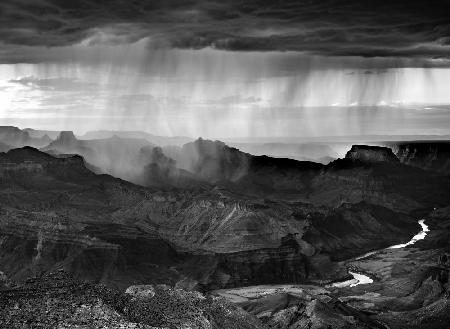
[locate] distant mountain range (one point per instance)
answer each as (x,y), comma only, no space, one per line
(14,137)
(133,157)
(115,156)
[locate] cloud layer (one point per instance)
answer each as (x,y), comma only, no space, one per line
(368,28)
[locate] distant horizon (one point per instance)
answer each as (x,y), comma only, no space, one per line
(307,122)
(269,139)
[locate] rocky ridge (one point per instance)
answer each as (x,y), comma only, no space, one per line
(56,300)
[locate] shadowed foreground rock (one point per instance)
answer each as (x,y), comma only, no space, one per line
(56,300)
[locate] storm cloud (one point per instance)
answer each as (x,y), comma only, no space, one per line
(217,68)
(367,28)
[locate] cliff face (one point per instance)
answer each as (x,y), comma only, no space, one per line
(426,155)
(366,153)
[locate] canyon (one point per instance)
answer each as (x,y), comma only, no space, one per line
(212,218)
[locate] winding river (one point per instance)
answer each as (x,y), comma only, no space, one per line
(359,278)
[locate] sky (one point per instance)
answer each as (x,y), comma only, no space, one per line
(226,69)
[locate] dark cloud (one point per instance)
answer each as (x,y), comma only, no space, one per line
(368,28)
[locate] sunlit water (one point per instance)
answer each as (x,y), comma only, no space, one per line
(359,278)
(419,236)
(366,255)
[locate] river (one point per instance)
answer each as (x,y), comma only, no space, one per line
(245,293)
(360,278)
